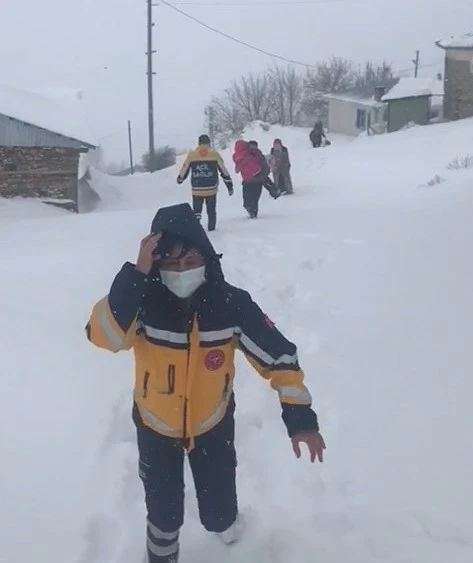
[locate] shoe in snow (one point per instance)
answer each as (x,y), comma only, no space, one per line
(233,533)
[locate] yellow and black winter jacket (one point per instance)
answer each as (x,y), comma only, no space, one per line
(204,165)
(184,356)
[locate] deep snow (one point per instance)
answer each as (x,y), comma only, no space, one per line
(366,268)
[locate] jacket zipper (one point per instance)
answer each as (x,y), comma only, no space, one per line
(189,329)
(226,386)
(145,385)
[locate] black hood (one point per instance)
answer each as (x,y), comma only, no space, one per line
(180,222)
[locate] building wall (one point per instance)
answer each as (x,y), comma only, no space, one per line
(458,101)
(39,172)
(342,116)
(401,112)
(15,133)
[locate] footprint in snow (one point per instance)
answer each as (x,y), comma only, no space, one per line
(288,292)
(308,265)
(98,537)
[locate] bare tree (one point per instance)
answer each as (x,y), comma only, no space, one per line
(287,88)
(335,75)
(227,121)
(252,96)
(370,75)
(273,96)
(247,99)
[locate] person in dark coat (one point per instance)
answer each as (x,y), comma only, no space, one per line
(317,134)
(184,323)
(280,164)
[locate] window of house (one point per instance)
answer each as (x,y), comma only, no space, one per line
(361,119)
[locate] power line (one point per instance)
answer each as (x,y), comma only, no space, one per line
(234,39)
(401,70)
(258,3)
(258,49)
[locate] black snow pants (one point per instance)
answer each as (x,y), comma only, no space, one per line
(211,204)
(161,468)
(316,140)
(251,196)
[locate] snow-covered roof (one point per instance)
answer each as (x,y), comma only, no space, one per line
(352,98)
(59,114)
(464,41)
(411,87)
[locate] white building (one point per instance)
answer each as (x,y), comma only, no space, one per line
(351,114)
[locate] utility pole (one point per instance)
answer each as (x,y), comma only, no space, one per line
(130,146)
(150,74)
(416,64)
(210,117)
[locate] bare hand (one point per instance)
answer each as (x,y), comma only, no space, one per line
(313,441)
(146,258)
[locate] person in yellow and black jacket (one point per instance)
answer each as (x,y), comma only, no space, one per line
(205,165)
(184,322)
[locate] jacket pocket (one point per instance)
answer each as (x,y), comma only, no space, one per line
(145,384)
(171,381)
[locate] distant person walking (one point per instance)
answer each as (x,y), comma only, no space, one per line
(205,165)
(254,169)
(280,165)
(317,134)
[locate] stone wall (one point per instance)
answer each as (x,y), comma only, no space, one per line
(458,103)
(46,173)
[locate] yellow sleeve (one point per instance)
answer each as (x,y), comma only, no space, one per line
(184,172)
(104,331)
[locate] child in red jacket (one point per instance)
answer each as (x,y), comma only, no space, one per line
(247,163)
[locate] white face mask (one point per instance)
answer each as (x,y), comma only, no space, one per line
(183,284)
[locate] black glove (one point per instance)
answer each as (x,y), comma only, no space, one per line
(179,180)
(229,185)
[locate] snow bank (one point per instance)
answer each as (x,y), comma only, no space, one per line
(61,114)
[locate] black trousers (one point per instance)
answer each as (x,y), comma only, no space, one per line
(161,468)
(251,196)
(316,140)
(211,205)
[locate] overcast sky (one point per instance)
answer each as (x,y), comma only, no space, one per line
(98,46)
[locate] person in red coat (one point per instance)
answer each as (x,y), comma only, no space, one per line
(253,167)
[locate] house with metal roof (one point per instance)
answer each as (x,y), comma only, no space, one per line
(42,138)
